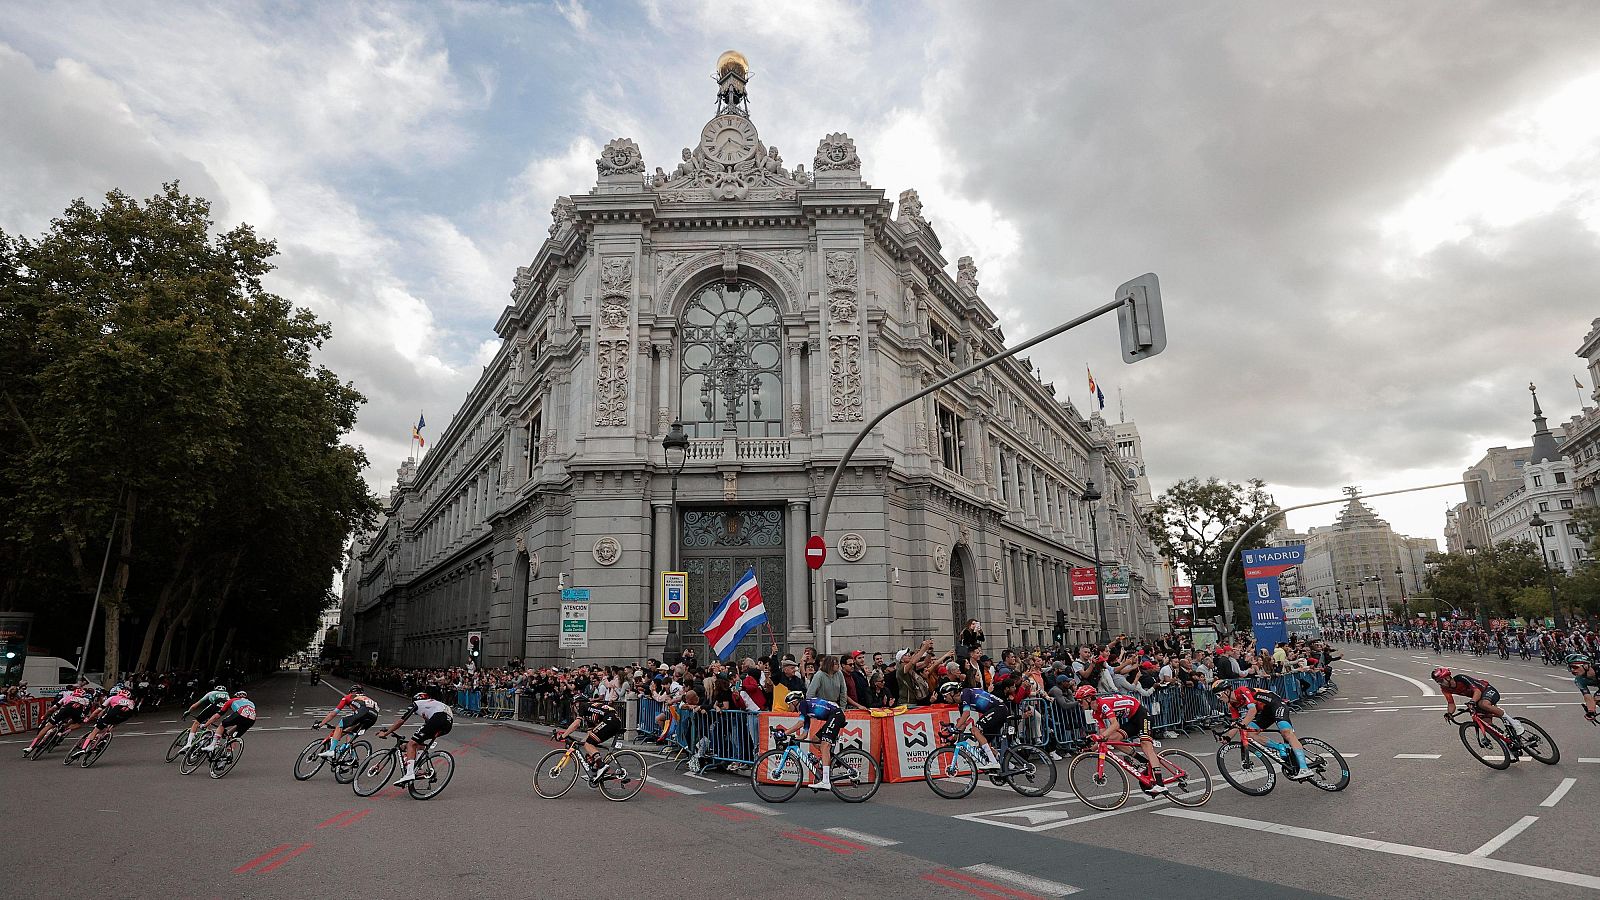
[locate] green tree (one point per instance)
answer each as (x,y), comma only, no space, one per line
(1194,523)
(1487,581)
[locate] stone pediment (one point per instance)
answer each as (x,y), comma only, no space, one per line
(729,163)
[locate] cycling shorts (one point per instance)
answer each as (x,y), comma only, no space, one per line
(436,725)
(115,716)
(831,726)
(605,731)
(238,723)
(1491,696)
(358,720)
(1273,715)
(993,722)
(1136,725)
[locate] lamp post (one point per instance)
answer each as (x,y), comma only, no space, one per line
(1405,605)
(1538,524)
(675,451)
(1091,496)
(1378,582)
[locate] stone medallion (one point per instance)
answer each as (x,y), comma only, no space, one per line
(994,571)
(607,551)
(941,557)
(852,547)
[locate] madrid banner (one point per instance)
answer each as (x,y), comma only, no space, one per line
(1261,570)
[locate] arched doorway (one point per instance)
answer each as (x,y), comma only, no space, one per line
(717,546)
(958,592)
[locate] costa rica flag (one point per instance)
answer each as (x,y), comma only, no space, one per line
(737,614)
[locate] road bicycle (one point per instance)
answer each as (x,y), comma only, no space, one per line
(1250,764)
(89,750)
(433,768)
(179,747)
(47,740)
(781,772)
(343,765)
(220,756)
(1498,749)
(621,775)
(952,769)
(1105,787)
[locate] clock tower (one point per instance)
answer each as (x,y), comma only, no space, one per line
(733,73)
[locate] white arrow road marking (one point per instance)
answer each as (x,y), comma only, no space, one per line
(1427,690)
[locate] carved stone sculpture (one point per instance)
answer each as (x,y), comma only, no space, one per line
(911,210)
(967,274)
(844,372)
(562,214)
(611,383)
(836,152)
(620,157)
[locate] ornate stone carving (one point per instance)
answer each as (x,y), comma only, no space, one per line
(941,557)
(842,283)
(967,274)
(533,564)
(792,262)
(836,152)
(911,210)
(667,262)
(613,312)
(852,547)
(562,214)
(616,275)
(663,419)
(797,422)
(994,571)
(607,550)
(730,486)
(611,383)
(521,540)
(620,157)
(844,370)
(920,430)
(730,163)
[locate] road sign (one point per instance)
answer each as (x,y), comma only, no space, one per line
(674,591)
(574,622)
(574,593)
(816,552)
(1139,318)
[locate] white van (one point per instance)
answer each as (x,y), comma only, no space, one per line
(48,675)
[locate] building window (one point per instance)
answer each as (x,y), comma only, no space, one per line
(1544,506)
(950,440)
(1549,531)
(1566,504)
(1538,481)
(1005,477)
(732,362)
(535,434)
(1572,528)
(1561,478)
(944,343)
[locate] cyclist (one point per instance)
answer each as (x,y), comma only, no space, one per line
(204,710)
(1587,678)
(237,715)
(603,725)
(1484,697)
(356,711)
(436,722)
(117,708)
(1107,711)
(68,713)
(1259,709)
(992,713)
(823,718)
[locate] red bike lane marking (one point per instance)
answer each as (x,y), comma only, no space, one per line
(729,813)
(961,881)
(335,818)
(261,859)
(355,818)
(831,848)
(284,858)
(654,791)
(852,846)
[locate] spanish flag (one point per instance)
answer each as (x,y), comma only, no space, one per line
(416,431)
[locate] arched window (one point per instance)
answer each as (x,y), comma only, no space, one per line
(732,358)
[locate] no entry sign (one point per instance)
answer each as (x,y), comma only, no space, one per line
(816,552)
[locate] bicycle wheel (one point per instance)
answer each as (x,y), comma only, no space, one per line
(1188,782)
(73,754)
(227,758)
(1329,770)
(1032,772)
(349,761)
(1103,788)
(176,750)
(951,772)
(371,778)
(193,759)
(626,772)
(1247,767)
(556,773)
(97,751)
(854,776)
(777,776)
(1538,742)
(310,760)
(438,766)
(1486,746)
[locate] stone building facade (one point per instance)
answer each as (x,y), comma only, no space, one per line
(1359,563)
(1549,491)
(1582,447)
(773,311)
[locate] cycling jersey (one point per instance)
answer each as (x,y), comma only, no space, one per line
(355,705)
(979,700)
(426,708)
(213,699)
(1463,686)
(1243,697)
(118,701)
(240,707)
(74,698)
(1588,681)
(116,710)
(1107,707)
(817,708)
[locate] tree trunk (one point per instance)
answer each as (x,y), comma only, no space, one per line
(181,618)
(222,652)
(119,590)
(163,605)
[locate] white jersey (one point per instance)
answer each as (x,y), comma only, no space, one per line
(427,709)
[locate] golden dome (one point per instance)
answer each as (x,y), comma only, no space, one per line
(733,60)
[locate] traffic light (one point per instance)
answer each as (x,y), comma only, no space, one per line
(1061,626)
(474,643)
(837,598)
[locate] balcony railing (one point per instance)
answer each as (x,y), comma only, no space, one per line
(710,449)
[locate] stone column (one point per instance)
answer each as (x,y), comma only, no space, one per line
(665,411)
(796,528)
(794,411)
(661,551)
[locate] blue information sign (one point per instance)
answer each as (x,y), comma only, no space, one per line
(1261,570)
(574,593)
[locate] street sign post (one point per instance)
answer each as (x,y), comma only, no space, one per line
(816,552)
(574,619)
(674,593)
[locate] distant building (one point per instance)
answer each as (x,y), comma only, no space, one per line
(1489,481)
(1582,448)
(1547,492)
(1357,564)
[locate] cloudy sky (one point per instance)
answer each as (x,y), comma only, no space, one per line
(1374,223)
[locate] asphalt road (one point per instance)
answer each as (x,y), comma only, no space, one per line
(1420,818)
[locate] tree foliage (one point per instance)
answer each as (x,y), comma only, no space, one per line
(155,392)
(1194,523)
(1509,579)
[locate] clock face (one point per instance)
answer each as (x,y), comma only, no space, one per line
(729,139)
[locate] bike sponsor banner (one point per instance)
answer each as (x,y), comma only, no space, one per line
(1261,571)
(1300,616)
(22,715)
(1205,596)
(862,731)
(910,737)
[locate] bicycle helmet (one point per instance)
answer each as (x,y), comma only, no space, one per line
(355,688)
(238,695)
(420,695)
(1085,692)
(949,687)
(793,698)
(1577,659)
(1441,674)
(220,689)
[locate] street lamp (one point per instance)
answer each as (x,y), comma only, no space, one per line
(1405,606)
(1477,577)
(1091,497)
(1538,524)
(675,451)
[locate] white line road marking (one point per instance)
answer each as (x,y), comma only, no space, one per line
(1041,886)
(1417,755)
(1349,755)
(1360,843)
(859,837)
(699,777)
(1589,759)
(1559,792)
(1504,837)
(1427,690)
(1040,818)
(1053,795)
(760,809)
(678,788)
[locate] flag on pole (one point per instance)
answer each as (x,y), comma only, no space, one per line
(416,431)
(736,616)
(1095,394)
(1576,383)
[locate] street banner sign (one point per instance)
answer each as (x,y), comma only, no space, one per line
(574,593)
(1083,582)
(674,596)
(1206,596)
(816,552)
(1261,570)
(1183,618)
(1300,615)
(1183,596)
(574,624)
(1116,581)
